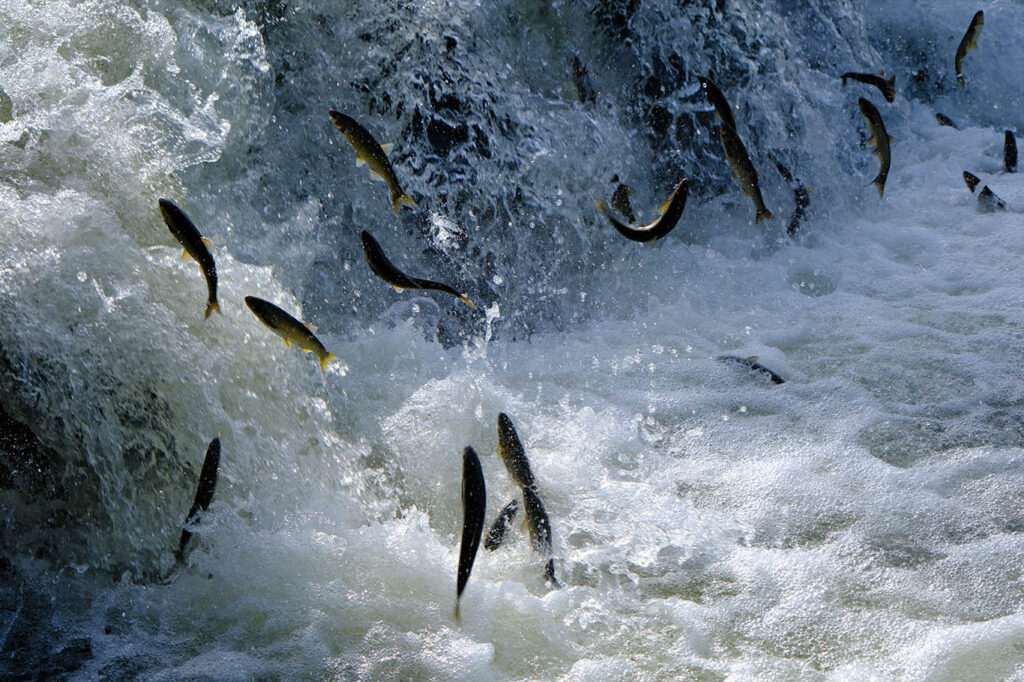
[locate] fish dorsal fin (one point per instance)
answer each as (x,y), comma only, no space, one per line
(207,241)
(754,358)
(387,147)
(892,80)
(184,254)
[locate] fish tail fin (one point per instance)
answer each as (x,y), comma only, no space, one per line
(973,45)
(467,302)
(210,307)
(880,184)
(401,199)
(458,618)
(960,80)
(327,357)
(650,243)
(762,214)
(602,207)
(892,80)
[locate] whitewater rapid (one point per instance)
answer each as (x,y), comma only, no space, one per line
(862,521)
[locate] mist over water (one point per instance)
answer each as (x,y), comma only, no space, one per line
(861,521)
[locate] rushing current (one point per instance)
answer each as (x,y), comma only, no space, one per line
(863,520)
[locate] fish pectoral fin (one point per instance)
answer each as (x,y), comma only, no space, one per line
(287,343)
(387,147)
(664,207)
(184,254)
(206,241)
(754,358)
(360,161)
(377,175)
(396,287)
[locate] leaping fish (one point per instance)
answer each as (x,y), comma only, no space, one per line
(373,154)
(880,139)
(971,180)
(752,364)
(387,271)
(204,494)
(620,201)
(512,453)
(540,531)
(969,41)
(289,329)
(743,170)
(671,211)
(1010,152)
(501,525)
(887,86)
(715,97)
(188,236)
(474,502)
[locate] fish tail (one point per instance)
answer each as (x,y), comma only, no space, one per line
(210,307)
(325,359)
(401,199)
(960,80)
(880,184)
(467,302)
(762,214)
(458,619)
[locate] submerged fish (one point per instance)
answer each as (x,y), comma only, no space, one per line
(1010,152)
(474,502)
(716,99)
(374,155)
(540,531)
(801,197)
(969,41)
(988,202)
(888,87)
(204,494)
(512,453)
(752,364)
(671,211)
(188,236)
(387,271)
(620,201)
(743,170)
(972,181)
(945,121)
(880,139)
(289,329)
(496,535)
(584,90)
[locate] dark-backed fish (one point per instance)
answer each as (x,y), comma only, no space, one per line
(1010,152)
(881,141)
(373,154)
(289,329)
(989,202)
(968,42)
(752,364)
(474,503)
(204,494)
(887,86)
(716,99)
(972,181)
(743,170)
(671,211)
(501,525)
(386,270)
(945,121)
(620,201)
(188,236)
(580,78)
(540,531)
(801,197)
(512,453)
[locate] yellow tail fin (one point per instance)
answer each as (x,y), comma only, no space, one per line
(210,307)
(325,359)
(762,214)
(403,199)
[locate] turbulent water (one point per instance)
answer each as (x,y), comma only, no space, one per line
(862,521)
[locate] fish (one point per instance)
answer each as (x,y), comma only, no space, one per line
(988,202)
(752,364)
(716,99)
(387,271)
(880,139)
(289,329)
(1010,152)
(671,211)
(188,236)
(496,535)
(374,155)
(620,201)
(801,198)
(540,531)
(474,505)
(584,90)
(743,170)
(945,121)
(970,40)
(512,453)
(204,494)
(887,86)
(972,181)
